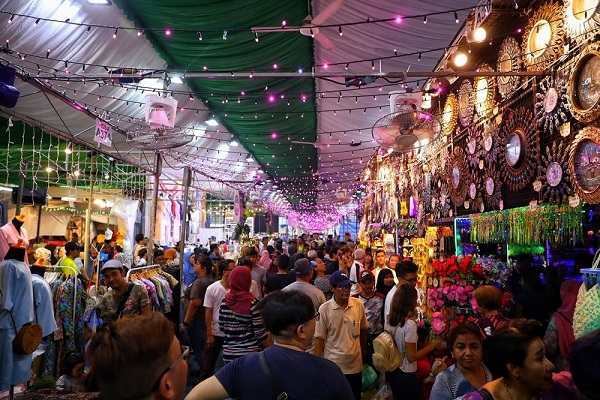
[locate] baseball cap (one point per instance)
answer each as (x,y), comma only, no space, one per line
(303,266)
(366,275)
(339,278)
(112,264)
(72,246)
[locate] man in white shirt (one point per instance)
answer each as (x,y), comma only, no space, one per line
(355,269)
(406,271)
(380,264)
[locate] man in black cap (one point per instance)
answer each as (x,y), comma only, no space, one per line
(303,269)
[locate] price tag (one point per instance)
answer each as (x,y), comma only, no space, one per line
(466,204)
(537,185)
(501,205)
(533,205)
(574,201)
(450,213)
(480,163)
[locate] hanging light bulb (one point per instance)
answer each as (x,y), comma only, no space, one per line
(459,59)
(69,148)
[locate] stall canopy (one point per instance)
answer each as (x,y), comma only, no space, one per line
(299,140)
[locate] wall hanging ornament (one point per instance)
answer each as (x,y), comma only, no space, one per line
(476,189)
(492,185)
(520,141)
(544,36)
(509,60)
(442,201)
(584,164)
(474,146)
(458,176)
(551,104)
(582,18)
(466,102)
(584,86)
(485,91)
(450,115)
(490,143)
(556,179)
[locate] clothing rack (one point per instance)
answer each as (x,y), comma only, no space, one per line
(147,268)
(75,273)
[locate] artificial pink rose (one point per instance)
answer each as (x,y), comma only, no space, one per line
(438,324)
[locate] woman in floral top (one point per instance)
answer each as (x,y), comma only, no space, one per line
(136,302)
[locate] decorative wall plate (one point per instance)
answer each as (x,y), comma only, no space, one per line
(584,87)
(492,188)
(450,114)
(556,179)
(521,143)
(485,91)
(584,164)
(466,102)
(509,60)
(458,176)
(491,144)
(543,37)
(582,18)
(474,145)
(551,104)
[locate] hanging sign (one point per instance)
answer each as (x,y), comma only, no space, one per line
(103,134)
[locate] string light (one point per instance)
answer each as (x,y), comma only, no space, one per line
(10,20)
(37,21)
(456,17)
(225,35)
(256,37)
(419,58)
(312,34)
(199,35)
(425,19)
(340,30)
(168,32)
(115,34)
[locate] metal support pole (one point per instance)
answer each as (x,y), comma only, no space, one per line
(187,181)
(37,234)
(88,219)
(154,208)
(20,193)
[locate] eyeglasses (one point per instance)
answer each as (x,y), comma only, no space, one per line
(185,353)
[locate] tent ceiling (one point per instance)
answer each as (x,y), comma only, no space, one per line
(334,120)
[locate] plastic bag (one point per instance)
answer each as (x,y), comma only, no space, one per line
(384,393)
(369,377)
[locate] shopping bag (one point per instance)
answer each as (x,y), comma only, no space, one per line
(384,393)
(369,377)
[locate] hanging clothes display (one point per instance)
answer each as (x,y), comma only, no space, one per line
(159,285)
(13,237)
(16,302)
(44,310)
(69,300)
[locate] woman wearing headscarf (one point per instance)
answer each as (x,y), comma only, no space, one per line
(559,335)
(188,273)
(265,259)
(239,319)
(385,283)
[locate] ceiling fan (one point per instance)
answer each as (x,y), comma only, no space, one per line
(407,127)
(309,25)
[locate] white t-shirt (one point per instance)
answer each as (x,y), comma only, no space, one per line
(404,334)
(388,303)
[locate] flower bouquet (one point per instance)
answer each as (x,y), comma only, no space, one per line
(458,268)
(494,270)
(450,295)
(442,323)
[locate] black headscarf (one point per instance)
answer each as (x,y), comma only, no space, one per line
(381,287)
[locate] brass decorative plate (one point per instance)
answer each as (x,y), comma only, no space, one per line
(544,36)
(556,180)
(584,87)
(450,114)
(551,104)
(485,91)
(458,177)
(466,103)
(584,164)
(509,60)
(521,149)
(582,19)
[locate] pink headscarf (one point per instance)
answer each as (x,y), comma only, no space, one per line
(239,298)
(568,294)
(265,259)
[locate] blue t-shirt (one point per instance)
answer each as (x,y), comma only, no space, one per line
(451,384)
(301,375)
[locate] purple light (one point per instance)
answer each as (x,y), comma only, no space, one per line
(283,23)
(303,97)
(168,32)
(243,93)
(325,66)
(274,135)
(275,66)
(282,96)
(398,19)
(519,30)
(271,98)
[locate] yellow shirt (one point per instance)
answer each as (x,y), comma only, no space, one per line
(340,328)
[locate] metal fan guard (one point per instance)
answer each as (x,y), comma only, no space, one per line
(419,122)
(159,142)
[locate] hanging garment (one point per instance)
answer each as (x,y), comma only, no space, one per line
(16,298)
(44,310)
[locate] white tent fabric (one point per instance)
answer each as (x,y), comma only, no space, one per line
(126,212)
(53,223)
